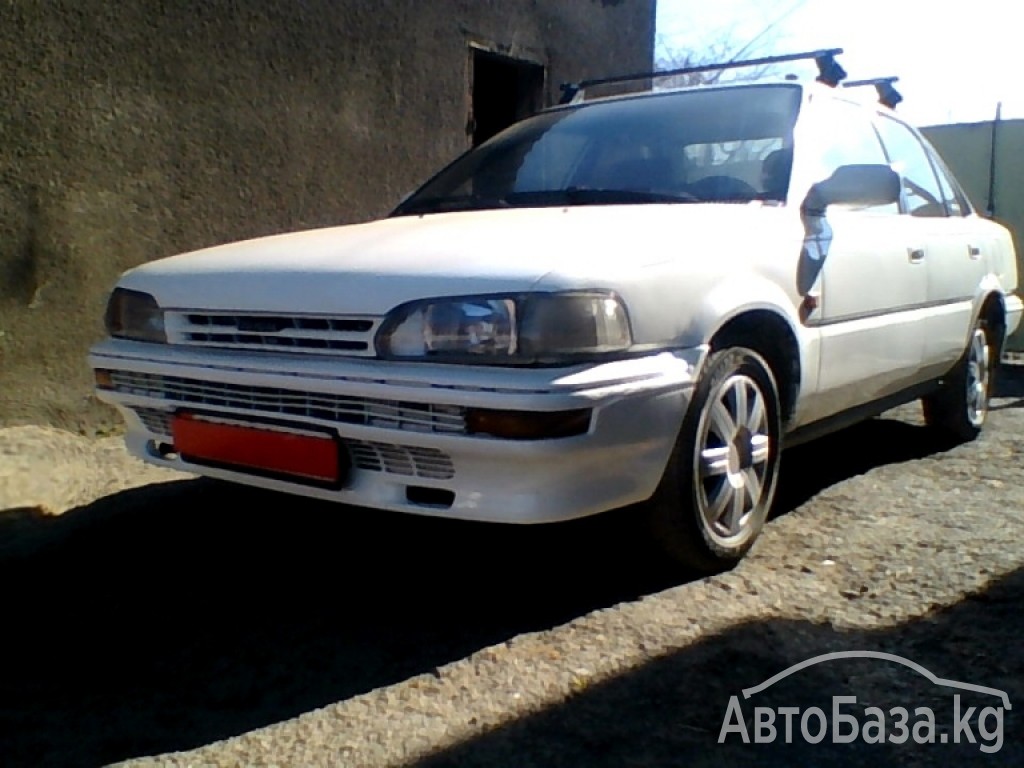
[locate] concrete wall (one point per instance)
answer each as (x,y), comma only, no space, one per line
(967,149)
(132,129)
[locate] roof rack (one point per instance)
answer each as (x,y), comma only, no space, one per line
(887,95)
(829,71)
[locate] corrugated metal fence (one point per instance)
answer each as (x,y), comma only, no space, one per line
(988,158)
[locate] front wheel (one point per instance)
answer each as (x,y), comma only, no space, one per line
(720,481)
(961,406)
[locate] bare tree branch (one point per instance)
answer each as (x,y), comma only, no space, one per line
(725,49)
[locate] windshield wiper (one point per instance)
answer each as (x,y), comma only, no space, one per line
(546,198)
(595,196)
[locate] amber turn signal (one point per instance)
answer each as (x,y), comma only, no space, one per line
(527,425)
(104,379)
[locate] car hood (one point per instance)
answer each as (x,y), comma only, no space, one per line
(370,268)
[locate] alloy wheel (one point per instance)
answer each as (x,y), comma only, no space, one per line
(979,366)
(732,459)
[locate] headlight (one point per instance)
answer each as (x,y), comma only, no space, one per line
(509,330)
(135,315)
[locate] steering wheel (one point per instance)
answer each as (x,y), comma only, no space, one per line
(722,189)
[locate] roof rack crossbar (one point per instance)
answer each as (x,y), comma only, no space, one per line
(887,95)
(869,81)
(830,71)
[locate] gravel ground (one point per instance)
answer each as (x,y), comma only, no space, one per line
(148,613)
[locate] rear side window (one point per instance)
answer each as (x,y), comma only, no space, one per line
(952,193)
(922,195)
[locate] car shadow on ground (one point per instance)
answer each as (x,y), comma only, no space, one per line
(810,468)
(171,616)
(1009,386)
(671,710)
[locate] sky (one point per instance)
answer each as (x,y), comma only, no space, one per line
(954,58)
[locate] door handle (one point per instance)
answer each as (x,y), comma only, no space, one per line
(916,255)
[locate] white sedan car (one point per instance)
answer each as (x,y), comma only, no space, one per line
(635,299)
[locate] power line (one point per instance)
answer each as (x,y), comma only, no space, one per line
(771,25)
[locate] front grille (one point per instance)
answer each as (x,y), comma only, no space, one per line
(389,414)
(351,336)
(157,422)
(401,460)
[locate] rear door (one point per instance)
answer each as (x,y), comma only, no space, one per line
(949,247)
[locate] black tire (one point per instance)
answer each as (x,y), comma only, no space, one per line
(720,481)
(959,408)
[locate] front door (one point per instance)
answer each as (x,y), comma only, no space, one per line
(873,288)
(861,271)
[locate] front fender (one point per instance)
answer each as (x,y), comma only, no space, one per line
(737,296)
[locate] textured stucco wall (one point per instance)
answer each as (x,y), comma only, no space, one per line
(132,129)
(967,149)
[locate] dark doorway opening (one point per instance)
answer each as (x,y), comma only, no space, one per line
(505,90)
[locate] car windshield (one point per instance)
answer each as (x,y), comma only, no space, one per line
(714,145)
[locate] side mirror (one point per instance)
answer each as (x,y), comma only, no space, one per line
(860,185)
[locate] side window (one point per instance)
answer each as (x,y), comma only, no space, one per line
(956,201)
(845,136)
(921,191)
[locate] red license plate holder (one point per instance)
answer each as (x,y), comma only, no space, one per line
(296,454)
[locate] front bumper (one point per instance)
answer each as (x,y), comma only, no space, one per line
(400,425)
